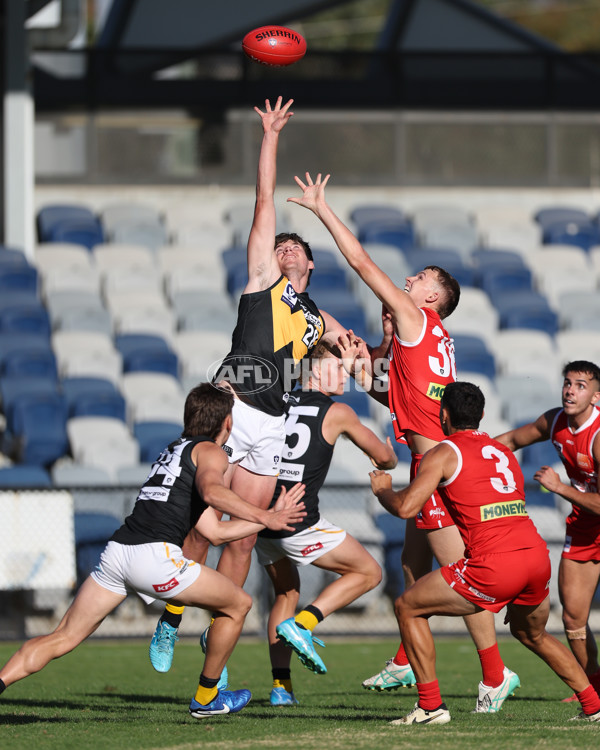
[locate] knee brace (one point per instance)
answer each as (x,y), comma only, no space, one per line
(576,635)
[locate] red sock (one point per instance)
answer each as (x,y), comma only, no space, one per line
(430,697)
(492,666)
(590,700)
(401,659)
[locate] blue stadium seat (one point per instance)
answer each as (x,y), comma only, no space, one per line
(49,216)
(345,308)
(92,532)
(332,277)
(39,427)
(372,213)
(536,455)
(34,361)
(554,214)
(14,387)
(86,232)
(394,530)
(398,233)
(358,400)
(24,476)
(496,259)
(531,315)
(93,397)
(101,404)
(153,437)
(11,341)
(535,495)
(14,278)
(18,297)
(325,259)
(498,282)
(583,234)
(152,360)
(127,343)
(26,318)
(11,257)
(472,355)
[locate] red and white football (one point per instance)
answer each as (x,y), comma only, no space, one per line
(274,45)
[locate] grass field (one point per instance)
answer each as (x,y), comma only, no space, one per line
(106,695)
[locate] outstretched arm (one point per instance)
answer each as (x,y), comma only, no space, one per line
(263,268)
(211,465)
(437,464)
(527,434)
(341,419)
(401,307)
(220,532)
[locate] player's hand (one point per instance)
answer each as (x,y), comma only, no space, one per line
(274,120)
(313,193)
(548,478)
(380,481)
(288,510)
(353,352)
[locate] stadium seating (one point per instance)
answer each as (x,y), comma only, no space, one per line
(25,476)
(374,212)
(17,277)
(399,234)
(472,355)
(153,437)
(92,532)
(10,256)
(25,318)
(48,217)
(38,427)
(550,215)
(582,234)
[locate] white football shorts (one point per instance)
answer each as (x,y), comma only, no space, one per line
(301,548)
(256,440)
(155,570)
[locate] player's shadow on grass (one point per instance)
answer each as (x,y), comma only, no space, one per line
(136,698)
(32,707)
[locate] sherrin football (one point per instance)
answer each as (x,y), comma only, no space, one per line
(274,45)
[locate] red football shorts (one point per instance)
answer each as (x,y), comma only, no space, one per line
(433,515)
(582,542)
(495,580)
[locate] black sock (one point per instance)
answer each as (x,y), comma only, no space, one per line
(207,683)
(314,611)
(2,686)
(280,673)
(171,619)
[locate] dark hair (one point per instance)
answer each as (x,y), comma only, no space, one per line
(285,236)
(582,365)
(464,403)
(206,407)
(451,289)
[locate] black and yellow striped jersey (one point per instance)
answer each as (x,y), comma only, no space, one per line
(276,328)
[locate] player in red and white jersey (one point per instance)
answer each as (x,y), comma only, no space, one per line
(506,562)
(421,365)
(574,431)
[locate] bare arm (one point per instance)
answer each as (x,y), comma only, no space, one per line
(341,419)
(551,481)
(437,464)
(211,465)
(405,313)
(263,268)
(367,372)
(527,434)
(333,330)
(220,532)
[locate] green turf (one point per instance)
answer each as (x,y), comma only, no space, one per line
(106,695)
